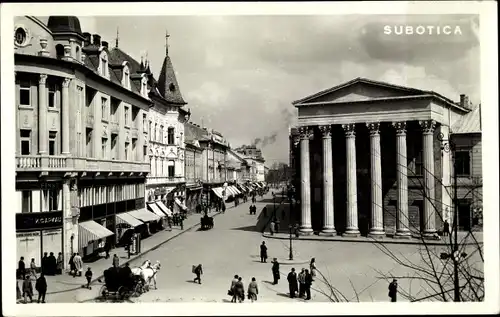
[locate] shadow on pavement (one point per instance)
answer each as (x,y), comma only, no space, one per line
(247,228)
(268,282)
(287,295)
(226,301)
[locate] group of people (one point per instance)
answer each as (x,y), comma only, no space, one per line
(76,265)
(237,290)
(27,289)
(49,266)
(253,209)
(300,283)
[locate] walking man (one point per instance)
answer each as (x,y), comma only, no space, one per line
(78,264)
(21,268)
(446,228)
(393,290)
(41,287)
(292,283)
(276,271)
(232,291)
(88,276)
(302,282)
(263,252)
(59,263)
(33,268)
(198,271)
(27,290)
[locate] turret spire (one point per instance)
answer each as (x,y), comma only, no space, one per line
(117,38)
(166,41)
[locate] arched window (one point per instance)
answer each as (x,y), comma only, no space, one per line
(171,136)
(59,51)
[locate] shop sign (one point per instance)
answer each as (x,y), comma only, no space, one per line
(39,220)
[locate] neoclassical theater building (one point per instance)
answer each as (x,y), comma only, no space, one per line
(370,158)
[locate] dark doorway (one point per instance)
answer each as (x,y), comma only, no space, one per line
(464,215)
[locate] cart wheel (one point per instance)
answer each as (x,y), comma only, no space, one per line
(104,291)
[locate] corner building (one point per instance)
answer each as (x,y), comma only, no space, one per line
(81,139)
(370,159)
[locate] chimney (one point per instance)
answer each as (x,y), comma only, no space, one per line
(105,44)
(464,100)
(97,40)
(87,40)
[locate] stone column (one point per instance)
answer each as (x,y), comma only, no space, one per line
(328,213)
(42,115)
(65,116)
(428,127)
(305,175)
(402,220)
(377,215)
(70,226)
(352,196)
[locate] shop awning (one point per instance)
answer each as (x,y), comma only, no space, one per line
(164,208)
(128,219)
(154,208)
(144,215)
(180,204)
(217,191)
(235,190)
(91,231)
(231,190)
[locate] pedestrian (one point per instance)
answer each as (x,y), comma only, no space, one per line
(312,267)
(446,228)
(52,264)
(271,227)
(78,264)
(21,268)
(302,282)
(231,291)
(223,207)
(88,276)
(44,263)
(27,289)
(59,263)
(276,271)
(292,283)
(18,292)
(253,290)
(263,252)
(198,270)
(239,289)
(116,261)
(264,211)
(296,229)
(72,265)
(33,268)
(41,288)
(182,222)
(393,290)
(251,209)
(107,248)
(277,225)
(308,283)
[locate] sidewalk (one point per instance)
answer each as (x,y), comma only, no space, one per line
(65,282)
(461,236)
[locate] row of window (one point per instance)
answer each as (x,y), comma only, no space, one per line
(157,134)
(26,142)
(162,167)
(50,200)
(96,195)
(25,94)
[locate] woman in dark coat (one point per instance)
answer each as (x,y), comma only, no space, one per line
(51,264)
(239,290)
(276,271)
(41,287)
(292,283)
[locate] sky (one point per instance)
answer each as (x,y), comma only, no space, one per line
(240,74)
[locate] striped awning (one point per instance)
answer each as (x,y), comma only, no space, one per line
(231,190)
(91,231)
(180,204)
(217,191)
(154,208)
(235,190)
(128,219)
(164,208)
(144,215)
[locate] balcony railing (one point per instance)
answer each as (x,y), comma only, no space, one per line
(156,180)
(25,163)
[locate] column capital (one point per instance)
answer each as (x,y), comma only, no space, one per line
(66,82)
(326,131)
(428,126)
(400,127)
(305,133)
(349,129)
(374,127)
(43,79)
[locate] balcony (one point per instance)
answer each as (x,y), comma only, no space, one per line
(90,120)
(38,163)
(114,127)
(157,180)
(134,132)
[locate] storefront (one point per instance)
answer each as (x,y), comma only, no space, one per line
(37,233)
(193,197)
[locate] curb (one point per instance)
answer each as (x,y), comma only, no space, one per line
(368,240)
(157,246)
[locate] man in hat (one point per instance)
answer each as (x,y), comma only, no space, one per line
(292,283)
(263,252)
(393,290)
(276,271)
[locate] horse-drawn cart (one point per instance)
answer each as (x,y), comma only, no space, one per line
(119,283)
(207,222)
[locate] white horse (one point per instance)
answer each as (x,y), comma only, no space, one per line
(149,273)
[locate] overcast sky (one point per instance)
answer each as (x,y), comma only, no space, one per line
(239,74)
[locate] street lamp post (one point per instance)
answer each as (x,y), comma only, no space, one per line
(290,255)
(274,205)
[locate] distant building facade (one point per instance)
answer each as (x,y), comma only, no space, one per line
(80,139)
(375,161)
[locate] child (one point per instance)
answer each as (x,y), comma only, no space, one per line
(88,275)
